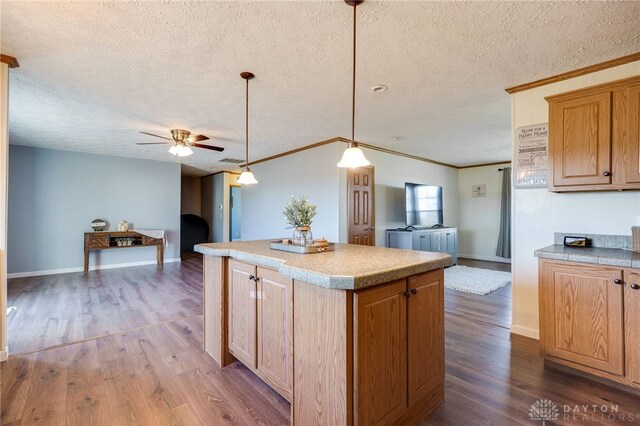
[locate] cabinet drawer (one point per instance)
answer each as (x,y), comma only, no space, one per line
(148,241)
(98,240)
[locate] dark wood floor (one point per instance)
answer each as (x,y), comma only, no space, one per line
(158,373)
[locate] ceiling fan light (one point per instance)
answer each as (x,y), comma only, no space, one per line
(353,157)
(246,178)
(173,150)
(184,151)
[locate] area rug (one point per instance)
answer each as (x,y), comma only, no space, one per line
(475,280)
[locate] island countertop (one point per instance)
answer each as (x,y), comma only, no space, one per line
(349,267)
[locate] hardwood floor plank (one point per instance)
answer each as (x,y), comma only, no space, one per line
(158,373)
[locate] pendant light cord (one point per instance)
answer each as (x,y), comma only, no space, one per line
(246,127)
(353,82)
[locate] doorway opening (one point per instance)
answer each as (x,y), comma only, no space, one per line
(235,218)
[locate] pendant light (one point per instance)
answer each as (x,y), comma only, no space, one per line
(353,155)
(246,177)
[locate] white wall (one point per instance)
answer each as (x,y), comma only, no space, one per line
(479,217)
(190,196)
(391,173)
(539,213)
(54,195)
(314,173)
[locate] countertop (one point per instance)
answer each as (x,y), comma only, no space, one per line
(349,267)
(595,255)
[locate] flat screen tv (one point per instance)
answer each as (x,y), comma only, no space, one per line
(423,204)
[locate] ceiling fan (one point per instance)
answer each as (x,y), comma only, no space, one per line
(182,141)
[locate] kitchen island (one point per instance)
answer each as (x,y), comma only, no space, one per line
(352,336)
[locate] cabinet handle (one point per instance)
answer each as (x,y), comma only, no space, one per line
(606,173)
(407,294)
(414,291)
(618,281)
(253,278)
(422,236)
(635,286)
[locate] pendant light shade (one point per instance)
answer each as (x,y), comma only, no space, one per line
(353,156)
(246,177)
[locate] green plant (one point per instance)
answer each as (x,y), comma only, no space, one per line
(299,212)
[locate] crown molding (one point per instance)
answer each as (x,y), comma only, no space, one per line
(575,73)
(9,60)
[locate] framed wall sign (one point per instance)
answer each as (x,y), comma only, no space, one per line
(531,159)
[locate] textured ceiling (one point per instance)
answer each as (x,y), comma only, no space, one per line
(94,74)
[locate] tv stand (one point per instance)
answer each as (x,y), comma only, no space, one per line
(443,240)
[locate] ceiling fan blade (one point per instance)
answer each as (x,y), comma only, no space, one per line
(152,143)
(197,138)
(157,136)
(213,148)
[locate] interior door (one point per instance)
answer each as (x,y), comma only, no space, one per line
(425,334)
(242,312)
(361,207)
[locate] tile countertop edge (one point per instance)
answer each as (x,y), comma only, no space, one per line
(592,255)
(337,282)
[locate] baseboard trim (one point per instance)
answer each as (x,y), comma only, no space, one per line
(486,258)
(525,331)
(91,268)
(4,355)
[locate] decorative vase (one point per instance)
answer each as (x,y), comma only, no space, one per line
(302,236)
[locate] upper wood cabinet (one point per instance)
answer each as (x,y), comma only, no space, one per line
(593,138)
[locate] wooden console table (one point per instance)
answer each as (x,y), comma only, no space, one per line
(107,240)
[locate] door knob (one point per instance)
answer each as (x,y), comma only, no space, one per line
(414,291)
(370,229)
(618,281)
(606,173)
(635,286)
(407,294)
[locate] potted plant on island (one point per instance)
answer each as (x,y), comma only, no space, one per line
(299,214)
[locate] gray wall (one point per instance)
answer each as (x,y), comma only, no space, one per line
(54,196)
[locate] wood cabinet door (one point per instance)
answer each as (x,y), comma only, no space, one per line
(425,334)
(632,325)
(632,139)
(580,140)
(242,312)
(422,241)
(275,330)
(582,316)
(380,354)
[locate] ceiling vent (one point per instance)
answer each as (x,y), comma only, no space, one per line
(231,160)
